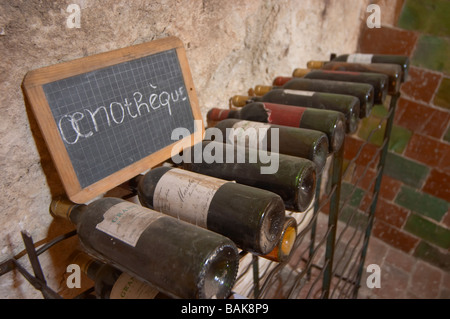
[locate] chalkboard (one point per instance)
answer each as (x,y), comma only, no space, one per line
(109,117)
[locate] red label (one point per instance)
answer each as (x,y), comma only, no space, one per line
(286,115)
(281,80)
(340,72)
(216,114)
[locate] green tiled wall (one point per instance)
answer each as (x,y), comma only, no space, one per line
(399,138)
(426,16)
(428,230)
(433,255)
(432,53)
(422,203)
(418,159)
(405,170)
(442,97)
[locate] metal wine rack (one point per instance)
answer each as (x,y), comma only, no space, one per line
(327,260)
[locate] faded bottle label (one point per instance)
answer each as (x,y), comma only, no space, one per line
(359,58)
(182,194)
(249,133)
(128,287)
(127,221)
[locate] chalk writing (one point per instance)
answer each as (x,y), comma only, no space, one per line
(86,122)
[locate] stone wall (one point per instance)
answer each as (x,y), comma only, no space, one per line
(231,46)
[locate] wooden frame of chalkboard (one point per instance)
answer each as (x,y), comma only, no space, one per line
(108,117)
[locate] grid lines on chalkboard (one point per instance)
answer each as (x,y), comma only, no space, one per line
(112,117)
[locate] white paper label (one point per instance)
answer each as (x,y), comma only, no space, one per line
(127,287)
(127,221)
(248,133)
(182,194)
(360,58)
(300,92)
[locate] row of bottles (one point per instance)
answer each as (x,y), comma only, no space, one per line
(183,239)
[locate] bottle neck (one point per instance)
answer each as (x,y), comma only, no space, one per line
(217,114)
(286,242)
(299,73)
(315,64)
(241,100)
(87,264)
(67,210)
(281,80)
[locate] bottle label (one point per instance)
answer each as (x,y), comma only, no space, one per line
(182,194)
(286,115)
(127,221)
(127,287)
(359,58)
(299,92)
(249,133)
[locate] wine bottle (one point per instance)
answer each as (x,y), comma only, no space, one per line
(249,216)
(393,71)
(282,251)
(112,283)
(177,258)
(346,104)
(305,143)
(332,123)
(401,60)
(377,80)
(364,92)
(294,180)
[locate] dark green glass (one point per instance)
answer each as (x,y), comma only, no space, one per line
(112,283)
(251,217)
(401,60)
(364,92)
(179,259)
(332,123)
(379,82)
(345,104)
(294,179)
(393,71)
(300,142)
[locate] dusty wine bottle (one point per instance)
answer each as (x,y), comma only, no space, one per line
(401,60)
(332,123)
(348,105)
(112,283)
(364,92)
(177,258)
(294,179)
(378,81)
(393,71)
(305,143)
(282,251)
(249,216)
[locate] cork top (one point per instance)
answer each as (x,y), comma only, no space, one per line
(239,100)
(81,259)
(262,89)
(315,64)
(61,207)
(298,73)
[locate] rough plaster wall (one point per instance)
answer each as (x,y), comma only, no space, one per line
(231,46)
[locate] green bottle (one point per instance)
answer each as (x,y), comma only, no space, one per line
(251,217)
(177,258)
(363,91)
(294,179)
(401,60)
(300,142)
